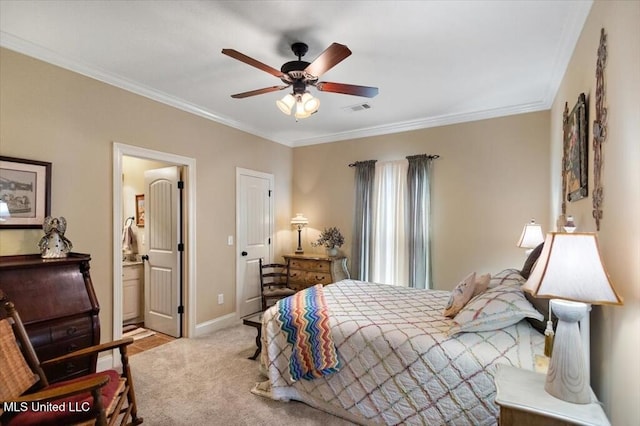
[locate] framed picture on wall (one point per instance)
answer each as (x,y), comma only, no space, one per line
(25,192)
(140,210)
(576,151)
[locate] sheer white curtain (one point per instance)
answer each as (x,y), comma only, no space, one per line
(389,243)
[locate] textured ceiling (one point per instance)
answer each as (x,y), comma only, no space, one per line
(435,62)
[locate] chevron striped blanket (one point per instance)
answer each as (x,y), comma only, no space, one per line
(305,322)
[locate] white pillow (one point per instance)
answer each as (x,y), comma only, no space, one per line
(507,276)
(460,295)
(496,308)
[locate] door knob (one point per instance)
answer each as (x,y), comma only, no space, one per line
(244,253)
(144,257)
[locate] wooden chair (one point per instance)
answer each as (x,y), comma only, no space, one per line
(274,283)
(27,398)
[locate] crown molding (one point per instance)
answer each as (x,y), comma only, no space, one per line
(24,47)
(428,122)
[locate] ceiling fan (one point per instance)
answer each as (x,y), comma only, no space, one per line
(301,74)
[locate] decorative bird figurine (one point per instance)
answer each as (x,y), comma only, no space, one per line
(54,244)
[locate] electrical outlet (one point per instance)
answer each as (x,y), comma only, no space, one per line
(220,299)
(230,240)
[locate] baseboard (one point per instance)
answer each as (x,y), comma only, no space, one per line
(105,362)
(216,324)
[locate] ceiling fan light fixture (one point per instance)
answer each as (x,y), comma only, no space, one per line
(300,111)
(309,103)
(286,104)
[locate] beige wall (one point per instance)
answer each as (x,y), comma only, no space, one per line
(615,333)
(51,114)
(491,178)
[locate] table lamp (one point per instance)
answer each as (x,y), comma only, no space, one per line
(4,211)
(299,222)
(531,236)
(570,272)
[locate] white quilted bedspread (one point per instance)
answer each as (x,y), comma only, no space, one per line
(399,364)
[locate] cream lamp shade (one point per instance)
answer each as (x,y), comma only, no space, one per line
(531,235)
(570,272)
(299,222)
(570,268)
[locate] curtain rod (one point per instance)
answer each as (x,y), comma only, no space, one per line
(431,157)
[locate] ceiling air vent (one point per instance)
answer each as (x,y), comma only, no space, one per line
(358,107)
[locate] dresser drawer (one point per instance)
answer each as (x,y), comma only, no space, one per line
(302,264)
(68,369)
(296,275)
(63,329)
(313,278)
(73,328)
(63,347)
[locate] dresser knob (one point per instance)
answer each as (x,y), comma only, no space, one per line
(72,330)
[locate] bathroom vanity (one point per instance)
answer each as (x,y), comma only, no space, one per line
(132,292)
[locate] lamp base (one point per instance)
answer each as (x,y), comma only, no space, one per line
(299,251)
(567,377)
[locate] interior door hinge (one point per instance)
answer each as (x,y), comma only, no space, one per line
(269,241)
(180,184)
(180,246)
(269,193)
(181,309)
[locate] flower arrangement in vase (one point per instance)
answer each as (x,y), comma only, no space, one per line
(331,239)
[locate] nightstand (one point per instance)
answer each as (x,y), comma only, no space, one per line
(523,401)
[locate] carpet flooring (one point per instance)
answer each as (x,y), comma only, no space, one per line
(207,381)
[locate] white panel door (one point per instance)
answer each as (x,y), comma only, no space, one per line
(254,218)
(162,269)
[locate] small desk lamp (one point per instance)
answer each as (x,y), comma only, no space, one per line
(570,272)
(531,236)
(4,211)
(300,222)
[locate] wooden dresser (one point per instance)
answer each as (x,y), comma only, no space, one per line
(307,271)
(57,303)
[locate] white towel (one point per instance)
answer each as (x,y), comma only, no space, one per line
(129,240)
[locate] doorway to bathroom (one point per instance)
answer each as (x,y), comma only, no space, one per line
(154,245)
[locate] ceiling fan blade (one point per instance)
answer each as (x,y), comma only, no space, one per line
(347,89)
(254,63)
(258,92)
(332,56)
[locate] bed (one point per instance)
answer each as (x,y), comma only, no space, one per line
(401,361)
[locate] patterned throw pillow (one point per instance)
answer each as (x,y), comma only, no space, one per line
(497,308)
(460,295)
(482,284)
(507,276)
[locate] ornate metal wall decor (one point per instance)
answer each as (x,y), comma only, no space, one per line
(576,149)
(599,129)
(565,122)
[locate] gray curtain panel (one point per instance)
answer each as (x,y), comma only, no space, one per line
(361,247)
(418,220)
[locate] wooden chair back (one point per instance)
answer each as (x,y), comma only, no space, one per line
(274,282)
